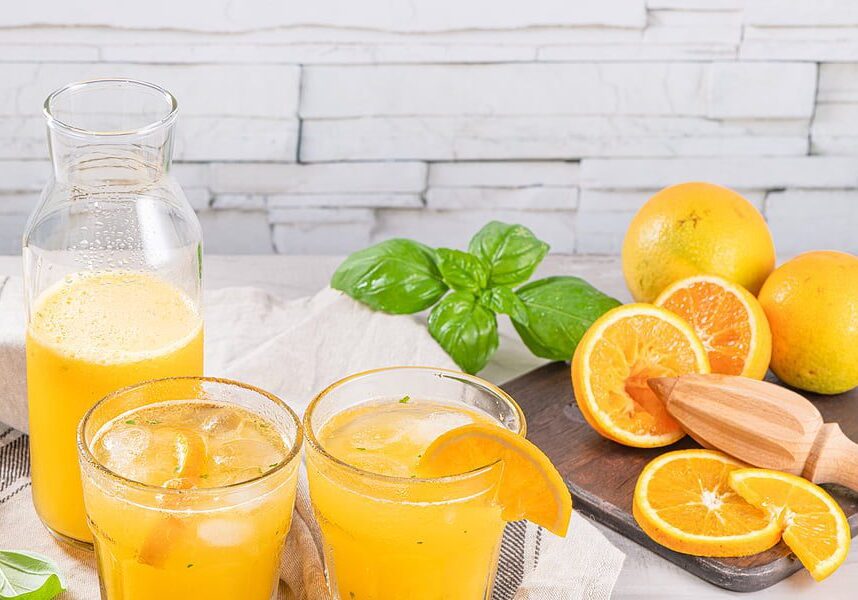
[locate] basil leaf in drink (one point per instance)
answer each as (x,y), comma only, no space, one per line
(559,310)
(396,276)
(511,251)
(28,576)
(464,328)
(461,270)
(504,301)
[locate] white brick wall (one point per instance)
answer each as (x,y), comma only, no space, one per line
(320,127)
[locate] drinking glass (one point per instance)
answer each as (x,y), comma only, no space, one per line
(390,537)
(112,271)
(217,543)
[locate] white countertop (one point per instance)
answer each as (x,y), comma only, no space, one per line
(644,575)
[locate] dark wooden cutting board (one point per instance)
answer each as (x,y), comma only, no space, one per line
(601,474)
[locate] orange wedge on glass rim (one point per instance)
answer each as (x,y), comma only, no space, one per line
(618,354)
(814,526)
(684,502)
(531,487)
(729,321)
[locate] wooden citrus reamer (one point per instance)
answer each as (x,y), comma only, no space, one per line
(762,424)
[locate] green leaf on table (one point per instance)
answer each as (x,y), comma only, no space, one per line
(465,329)
(504,301)
(512,252)
(559,311)
(461,270)
(28,576)
(397,276)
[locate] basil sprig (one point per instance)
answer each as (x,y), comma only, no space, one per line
(468,289)
(28,576)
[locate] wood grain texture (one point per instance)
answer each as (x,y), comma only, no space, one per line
(602,474)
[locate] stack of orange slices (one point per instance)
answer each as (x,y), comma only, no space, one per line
(705,503)
(699,502)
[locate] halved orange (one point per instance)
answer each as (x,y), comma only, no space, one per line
(623,349)
(683,501)
(530,487)
(813,524)
(729,321)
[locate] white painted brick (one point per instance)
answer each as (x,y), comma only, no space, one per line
(540,138)
(236,232)
(645,52)
(438,15)
(319,178)
(312,216)
(763,90)
(503,174)
(803,220)
(191,175)
(834,50)
(345,200)
(239,202)
(198,198)
(24,175)
(11,230)
(18,204)
(800,43)
(202,90)
(838,83)
(321,53)
(524,198)
(320,231)
(570,89)
(236,138)
(601,232)
(759,173)
(835,129)
(629,201)
(797,13)
(455,228)
(47,52)
(23,137)
(706,5)
(681,26)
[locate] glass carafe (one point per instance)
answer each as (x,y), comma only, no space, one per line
(112,274)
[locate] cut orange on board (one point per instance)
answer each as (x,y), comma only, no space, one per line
(813,524)
(729,321)
(531,488)
(623,349)
(684,502)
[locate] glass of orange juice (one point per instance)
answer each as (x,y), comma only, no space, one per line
(388,533)
(112,272)
(189,485)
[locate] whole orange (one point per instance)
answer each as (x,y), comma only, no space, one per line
(811,303)
(693,229)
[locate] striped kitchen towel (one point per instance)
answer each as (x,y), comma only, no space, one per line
(250,336)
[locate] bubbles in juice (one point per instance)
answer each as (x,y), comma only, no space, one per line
(389,436)
(189,444)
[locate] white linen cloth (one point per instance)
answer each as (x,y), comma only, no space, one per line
(293,349)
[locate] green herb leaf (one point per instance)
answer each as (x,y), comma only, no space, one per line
(559,310)
(461,270)
(467,330)
(28,576)
(511,251)
(396,276)
(405,400)
(504,301)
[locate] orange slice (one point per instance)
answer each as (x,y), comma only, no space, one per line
(683,501)
(729,321)
(530,487)
(615,358)
(813,524)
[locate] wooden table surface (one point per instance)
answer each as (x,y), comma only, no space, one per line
(645,576)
